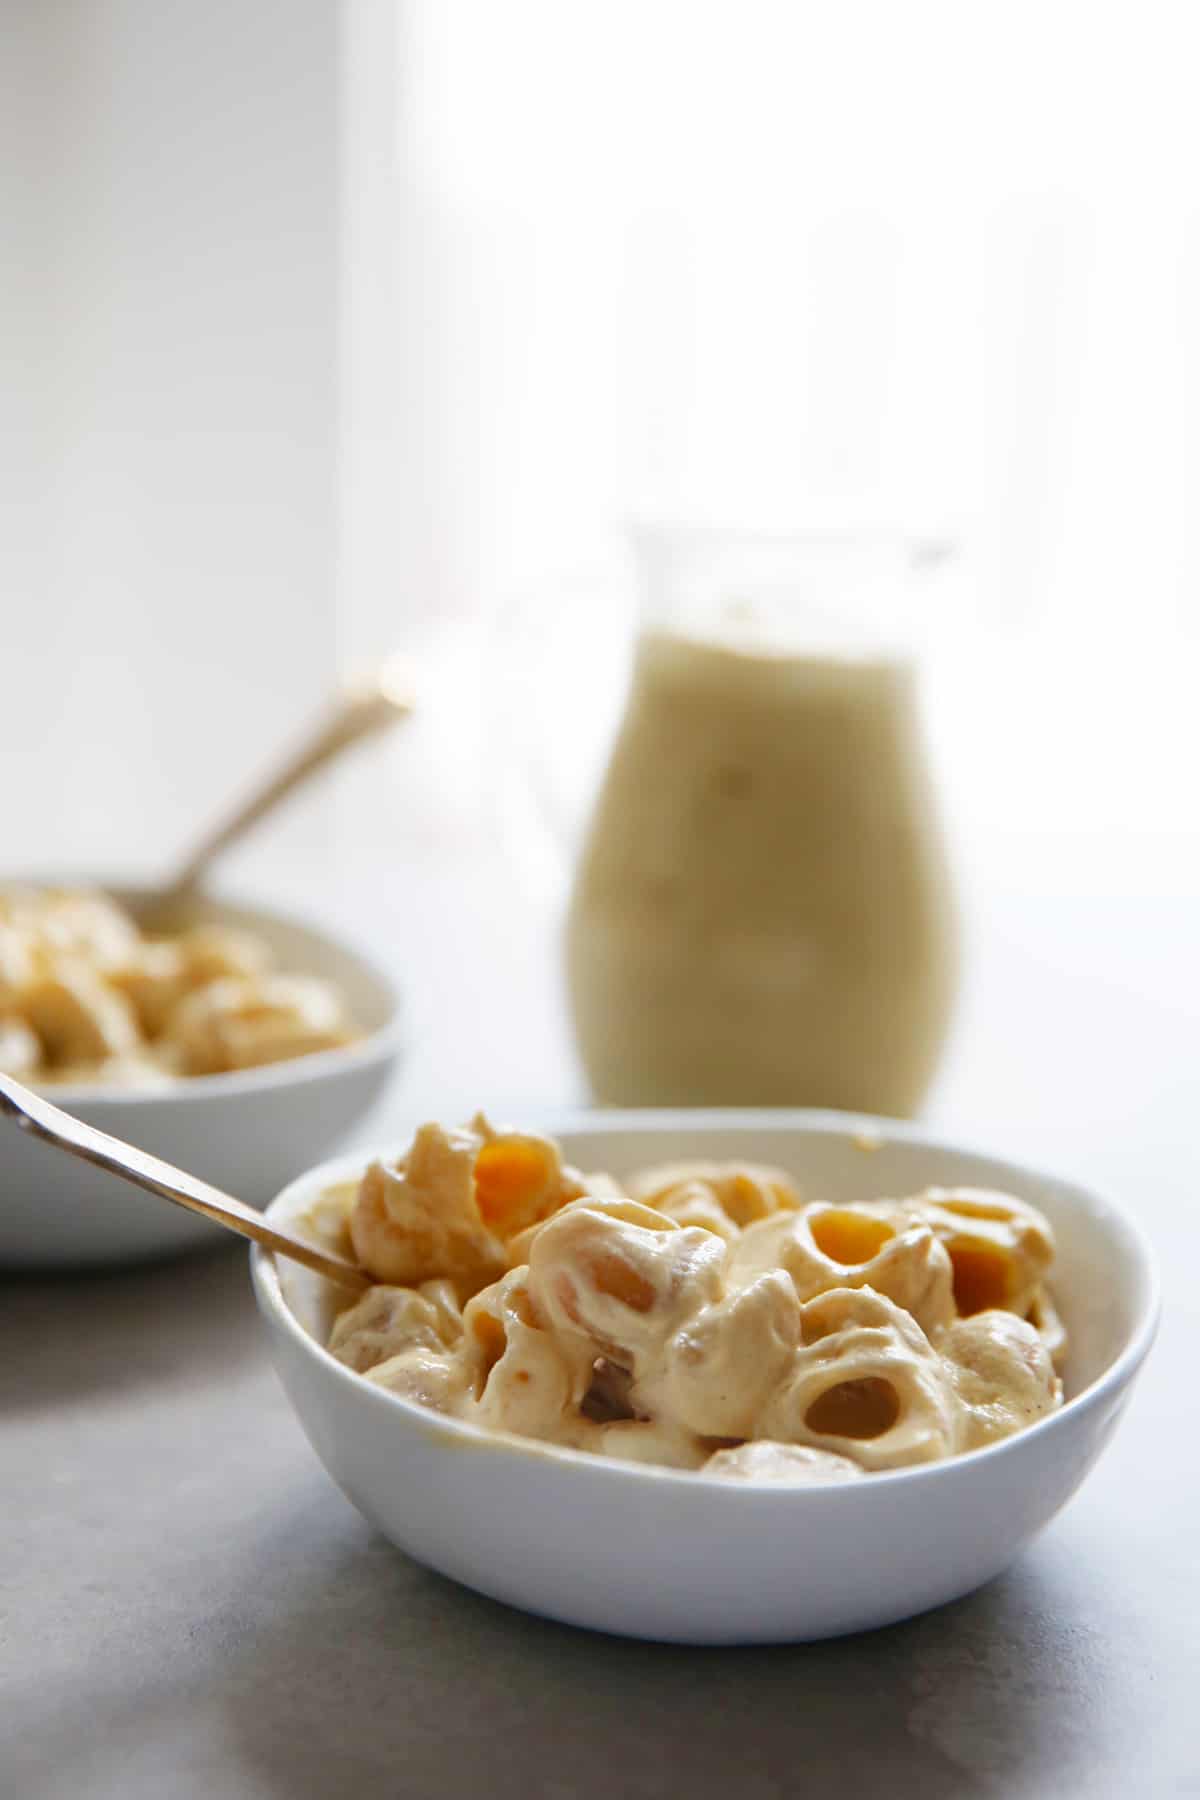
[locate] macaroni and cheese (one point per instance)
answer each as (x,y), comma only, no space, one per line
(702,1316)
(84,996)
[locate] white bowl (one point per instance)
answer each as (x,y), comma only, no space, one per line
(691,1558)
(246,1133)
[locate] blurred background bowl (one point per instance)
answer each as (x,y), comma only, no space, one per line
(246,1132)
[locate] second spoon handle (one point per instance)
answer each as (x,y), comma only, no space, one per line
(45,1120)
(359,713)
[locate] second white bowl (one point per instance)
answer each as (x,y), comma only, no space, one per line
(246,1133)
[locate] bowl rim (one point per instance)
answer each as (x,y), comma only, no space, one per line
(373,1047)
(462,1433)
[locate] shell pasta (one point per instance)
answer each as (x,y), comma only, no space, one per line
(86,997)
(702,1316)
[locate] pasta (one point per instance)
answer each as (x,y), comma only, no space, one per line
(85,997)
(708,1318)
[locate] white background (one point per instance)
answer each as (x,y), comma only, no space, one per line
(171,294)
(333,327)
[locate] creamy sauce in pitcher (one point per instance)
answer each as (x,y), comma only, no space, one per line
(762,912)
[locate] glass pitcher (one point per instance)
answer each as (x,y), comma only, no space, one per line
(761,911)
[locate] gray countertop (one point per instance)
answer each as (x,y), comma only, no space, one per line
(189,1607)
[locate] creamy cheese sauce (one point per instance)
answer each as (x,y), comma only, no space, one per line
(85,997)
(710,1318)
(761,913)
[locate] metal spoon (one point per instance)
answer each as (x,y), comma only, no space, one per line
(37,1115)
(367,707)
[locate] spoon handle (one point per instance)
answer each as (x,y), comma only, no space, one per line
(37,1115)
(359,713)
